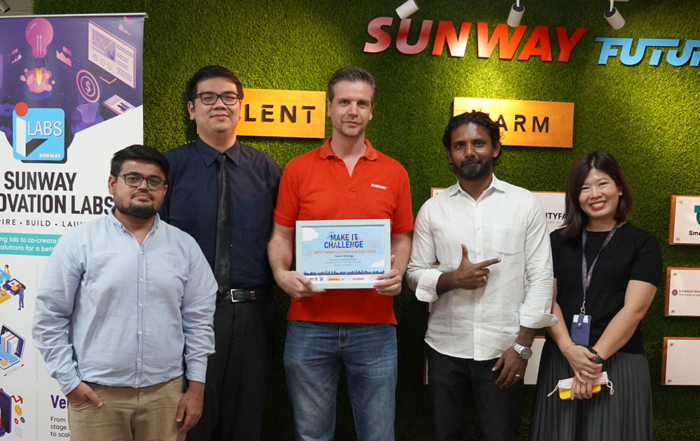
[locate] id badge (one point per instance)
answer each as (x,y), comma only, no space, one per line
(581,329)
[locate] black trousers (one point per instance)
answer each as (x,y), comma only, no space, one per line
(450,379)
(238,374)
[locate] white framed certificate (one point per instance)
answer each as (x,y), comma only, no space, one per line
(341,254)
(681,356)
(683,292)
(685,220)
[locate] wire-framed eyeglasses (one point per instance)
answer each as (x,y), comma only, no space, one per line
(154,183)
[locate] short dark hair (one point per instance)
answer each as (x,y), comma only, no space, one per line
(208,72)
(352,73)
(575,218)
(139,152)
(474,117)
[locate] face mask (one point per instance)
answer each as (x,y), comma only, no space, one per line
(564,386)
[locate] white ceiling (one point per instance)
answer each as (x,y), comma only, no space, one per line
(19,7)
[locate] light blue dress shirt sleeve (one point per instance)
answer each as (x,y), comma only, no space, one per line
(198,305)
(54,307)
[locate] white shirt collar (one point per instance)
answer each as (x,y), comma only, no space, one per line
(495,185)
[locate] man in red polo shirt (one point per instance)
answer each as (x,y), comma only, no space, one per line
(346,178)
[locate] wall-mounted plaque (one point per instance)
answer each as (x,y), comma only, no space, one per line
(683,292)
(685,220)
(434,191)
(554,207)
(533,364)
(526,123)
(283,113)
(680,362)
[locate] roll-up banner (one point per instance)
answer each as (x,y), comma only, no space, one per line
(70,96)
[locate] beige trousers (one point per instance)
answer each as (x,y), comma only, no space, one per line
(129,414)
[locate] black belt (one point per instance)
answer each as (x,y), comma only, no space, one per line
(242,295)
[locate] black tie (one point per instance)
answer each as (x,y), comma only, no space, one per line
(222,263)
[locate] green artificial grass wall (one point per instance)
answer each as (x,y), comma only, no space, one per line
(646,116)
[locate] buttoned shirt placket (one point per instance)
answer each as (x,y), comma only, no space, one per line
(140,298)
(478,256)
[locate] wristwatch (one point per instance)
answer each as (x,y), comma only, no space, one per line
(523,351)
(598,359)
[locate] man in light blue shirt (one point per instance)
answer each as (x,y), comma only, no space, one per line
(124,310)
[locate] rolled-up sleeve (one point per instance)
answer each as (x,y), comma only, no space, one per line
(535,311)
(422,277)
(198,305)
(52,315)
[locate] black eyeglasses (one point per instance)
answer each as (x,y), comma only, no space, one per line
(134,180)
(210,98)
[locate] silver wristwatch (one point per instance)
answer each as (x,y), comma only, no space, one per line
(523,351)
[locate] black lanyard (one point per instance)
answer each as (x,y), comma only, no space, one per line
(587,273)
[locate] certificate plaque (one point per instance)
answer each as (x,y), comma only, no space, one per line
(343,253)
(683,292)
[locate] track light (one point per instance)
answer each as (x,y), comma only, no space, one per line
(4,7)
(613,16)
(405,10)
(516,13)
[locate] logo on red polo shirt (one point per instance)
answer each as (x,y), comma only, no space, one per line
(382,187)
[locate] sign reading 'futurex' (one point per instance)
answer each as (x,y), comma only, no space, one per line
(537,45)
(690,55)
(526,123)
(283,113)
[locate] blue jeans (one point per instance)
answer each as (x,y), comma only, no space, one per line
(314,355)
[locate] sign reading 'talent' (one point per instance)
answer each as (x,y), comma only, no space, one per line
(283,113)
(526,123)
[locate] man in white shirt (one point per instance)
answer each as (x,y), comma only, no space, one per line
(491,290)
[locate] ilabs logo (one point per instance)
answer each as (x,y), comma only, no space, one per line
(38,134)
(697,214)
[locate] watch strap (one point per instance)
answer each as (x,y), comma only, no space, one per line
(520,349)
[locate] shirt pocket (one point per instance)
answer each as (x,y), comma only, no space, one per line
(169,274)
(508,239)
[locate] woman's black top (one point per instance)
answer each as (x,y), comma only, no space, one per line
(632,254)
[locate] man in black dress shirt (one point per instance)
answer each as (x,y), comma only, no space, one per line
(238,374)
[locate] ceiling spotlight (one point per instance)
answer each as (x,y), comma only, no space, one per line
(403,11)
(4,7)
(613,16)
(516,13)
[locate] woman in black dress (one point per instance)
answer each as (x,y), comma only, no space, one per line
(621,268)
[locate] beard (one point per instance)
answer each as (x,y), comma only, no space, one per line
(136,210)
(471,170)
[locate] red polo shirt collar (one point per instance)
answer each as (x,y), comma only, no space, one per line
(325,151)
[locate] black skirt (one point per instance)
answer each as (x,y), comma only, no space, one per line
(624,416)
